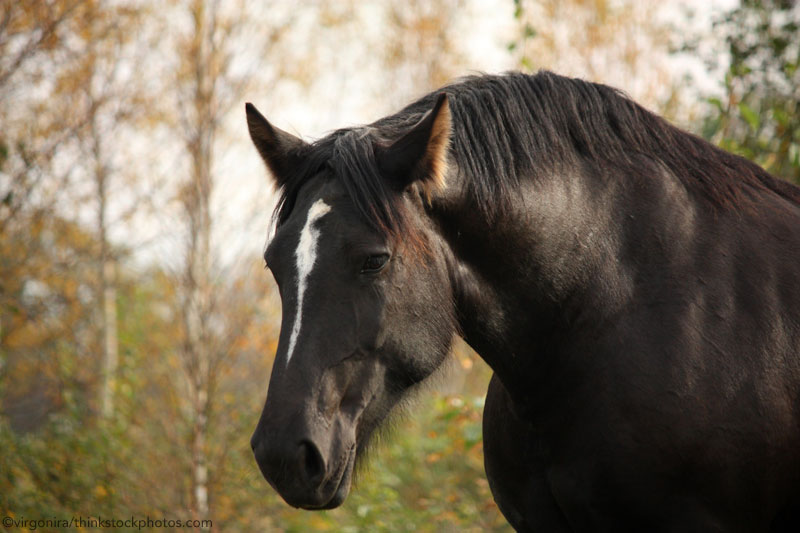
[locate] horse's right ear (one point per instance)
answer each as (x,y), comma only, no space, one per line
(420,156)
(280,150)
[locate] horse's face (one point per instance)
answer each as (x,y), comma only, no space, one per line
(364,320)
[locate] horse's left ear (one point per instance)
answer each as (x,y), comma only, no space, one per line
(419,156)
(281,151)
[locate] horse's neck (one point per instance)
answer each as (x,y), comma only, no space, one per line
(522,279)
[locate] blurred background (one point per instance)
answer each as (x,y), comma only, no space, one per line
(137,325)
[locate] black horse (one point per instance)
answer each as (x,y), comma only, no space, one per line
(635,290)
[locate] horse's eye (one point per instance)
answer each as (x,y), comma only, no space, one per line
(375,263)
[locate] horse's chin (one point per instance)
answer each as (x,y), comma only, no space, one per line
(339,484)
(338,498)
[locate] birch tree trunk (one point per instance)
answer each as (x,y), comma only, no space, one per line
(106,275)
(209,87)
(199,345)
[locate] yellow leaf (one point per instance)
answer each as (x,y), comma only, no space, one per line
(433,457)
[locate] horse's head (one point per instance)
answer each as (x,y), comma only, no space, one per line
(367,303)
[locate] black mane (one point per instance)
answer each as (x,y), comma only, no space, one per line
(516,125)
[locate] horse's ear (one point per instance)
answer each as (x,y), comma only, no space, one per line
(420,156)
(279,150)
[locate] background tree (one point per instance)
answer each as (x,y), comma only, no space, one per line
(625,44)
(756,116)
(207,88)
(56,52)
(420,45)
(33,45)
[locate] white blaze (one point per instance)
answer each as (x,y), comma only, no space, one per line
(305,256)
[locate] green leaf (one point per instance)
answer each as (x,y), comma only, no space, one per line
(711,127)
(750,116)
(527,63)
(794,154)
(781,116)
(530,31)
(716,102)
(517,9)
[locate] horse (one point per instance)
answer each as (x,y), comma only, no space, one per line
(634,289)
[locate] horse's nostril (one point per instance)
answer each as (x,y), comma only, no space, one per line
(311,462)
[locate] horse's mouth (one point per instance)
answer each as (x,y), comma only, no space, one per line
(338,484)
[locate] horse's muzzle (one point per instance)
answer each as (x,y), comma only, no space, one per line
(301,473)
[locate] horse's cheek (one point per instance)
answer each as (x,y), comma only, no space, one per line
(371,323)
